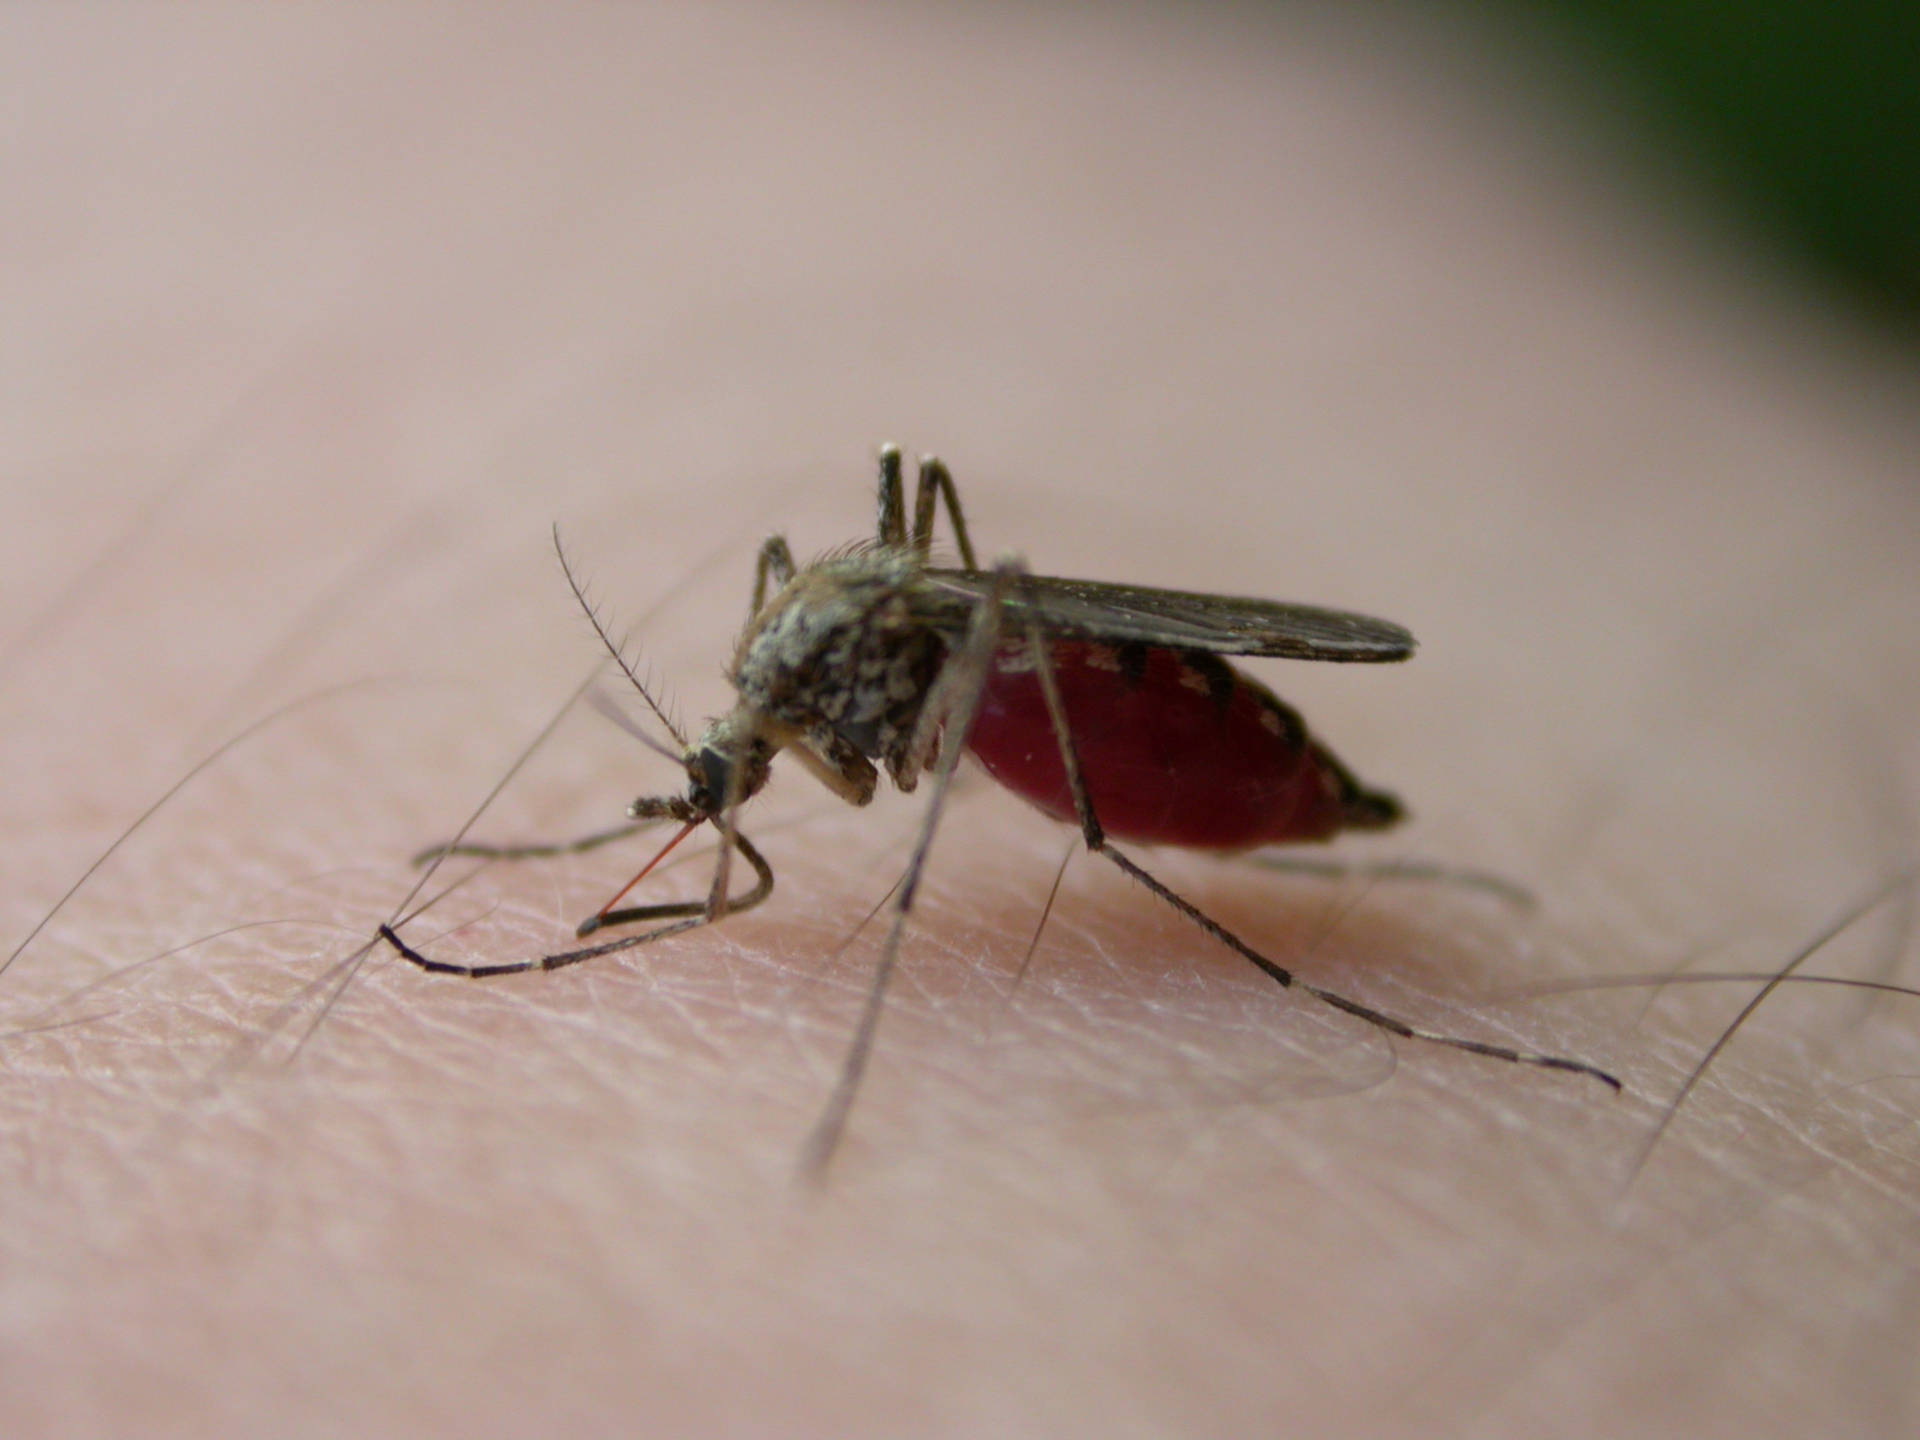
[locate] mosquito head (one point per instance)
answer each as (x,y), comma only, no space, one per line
(729,762)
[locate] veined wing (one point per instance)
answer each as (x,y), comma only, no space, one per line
(1181,619)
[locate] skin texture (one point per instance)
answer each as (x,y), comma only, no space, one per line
(317,322)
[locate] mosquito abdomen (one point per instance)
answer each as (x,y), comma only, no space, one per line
(1177,749)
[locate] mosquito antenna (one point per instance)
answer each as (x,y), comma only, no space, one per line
(662,691)
(593,618)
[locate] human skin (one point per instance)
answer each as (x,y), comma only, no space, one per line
(321,320)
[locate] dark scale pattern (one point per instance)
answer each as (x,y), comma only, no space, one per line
(840,647)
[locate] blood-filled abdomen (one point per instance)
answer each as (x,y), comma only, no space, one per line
(1176,747)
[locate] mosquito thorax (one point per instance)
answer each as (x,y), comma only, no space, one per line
(840,649)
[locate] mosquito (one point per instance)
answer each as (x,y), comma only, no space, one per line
(1108,706)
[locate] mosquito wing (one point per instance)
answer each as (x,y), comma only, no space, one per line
(1180,619)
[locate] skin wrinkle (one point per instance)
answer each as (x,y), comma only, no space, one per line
(1773,1195)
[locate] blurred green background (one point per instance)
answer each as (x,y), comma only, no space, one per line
(1803,119)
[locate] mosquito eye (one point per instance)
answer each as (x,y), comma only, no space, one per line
(709,772)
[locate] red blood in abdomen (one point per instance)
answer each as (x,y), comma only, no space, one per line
(1171,753)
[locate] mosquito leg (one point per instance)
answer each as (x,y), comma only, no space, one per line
(528,852)
(892,527)
(640,914)
(836,763)
(718,904)
(1097,841)
(1420,871)
(687,915)
(775,565)
(936,483)
(544,962)
(968,669)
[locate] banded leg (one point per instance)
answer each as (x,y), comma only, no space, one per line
(891,527)
(934,485)
(687,915)
(468,851)
(775,564)
(1097,841)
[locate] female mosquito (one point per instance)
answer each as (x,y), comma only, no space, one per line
(1109,706)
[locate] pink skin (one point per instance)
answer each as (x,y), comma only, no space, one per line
(319,316)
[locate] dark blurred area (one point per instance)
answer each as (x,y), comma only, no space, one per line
(1802,119)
